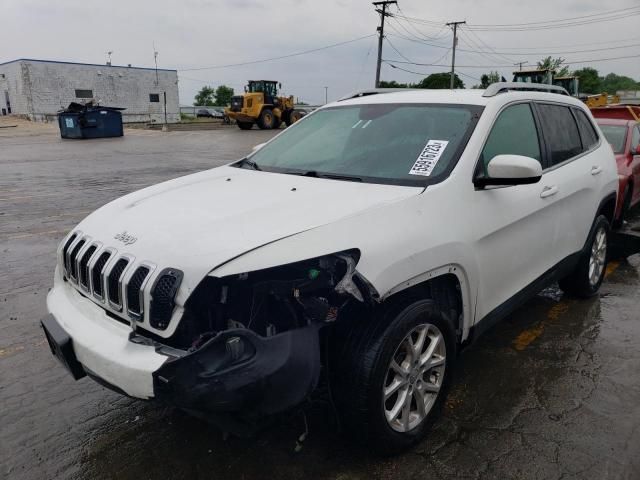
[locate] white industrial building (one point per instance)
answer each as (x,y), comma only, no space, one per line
(38,89)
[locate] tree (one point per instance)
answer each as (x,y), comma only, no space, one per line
(393,84)
(223,95)
(440,80)
(487,79)
(204,97)
(612,83)
(590,82)
(554,64)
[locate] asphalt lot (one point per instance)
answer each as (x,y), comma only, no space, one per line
(553,392)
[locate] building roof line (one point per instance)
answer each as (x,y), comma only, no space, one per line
(86,64)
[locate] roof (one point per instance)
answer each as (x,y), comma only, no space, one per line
(86,64)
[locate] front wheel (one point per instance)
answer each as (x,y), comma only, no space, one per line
(585,280)
(395,375)
(267,119)
(245,125)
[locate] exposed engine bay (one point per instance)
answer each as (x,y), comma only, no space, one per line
(271,301)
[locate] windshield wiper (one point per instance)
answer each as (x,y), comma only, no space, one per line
(332,176)
(249,163)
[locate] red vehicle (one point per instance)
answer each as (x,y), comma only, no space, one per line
(621,127)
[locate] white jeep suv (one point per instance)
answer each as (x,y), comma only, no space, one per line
(360,248)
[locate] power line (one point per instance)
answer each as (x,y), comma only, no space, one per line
(545,25)
(396,50)
(592,60)
(313,50)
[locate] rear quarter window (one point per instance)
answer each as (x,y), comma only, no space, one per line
(560,131)
(587,131)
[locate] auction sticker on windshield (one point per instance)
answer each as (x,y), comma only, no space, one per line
(429,157)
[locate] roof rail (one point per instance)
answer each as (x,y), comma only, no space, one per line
(500,87)
(374,91)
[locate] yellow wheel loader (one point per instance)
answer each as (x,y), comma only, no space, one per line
(261,105)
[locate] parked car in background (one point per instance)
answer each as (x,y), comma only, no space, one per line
(216,113)
(363,247)
(204,113)
(624,137)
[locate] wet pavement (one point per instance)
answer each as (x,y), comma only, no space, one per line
(553,392)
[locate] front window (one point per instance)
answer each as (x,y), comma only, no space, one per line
(616,135)
(410,144)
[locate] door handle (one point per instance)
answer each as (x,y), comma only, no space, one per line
(595,170)
(548,191)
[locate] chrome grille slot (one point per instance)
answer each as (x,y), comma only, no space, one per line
(83,272)
(114,281)
(96,274)
(73,265)
(135,301)
(65,252)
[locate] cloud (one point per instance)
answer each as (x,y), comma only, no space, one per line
(195,33)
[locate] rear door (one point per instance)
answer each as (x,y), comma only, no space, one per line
(573,173)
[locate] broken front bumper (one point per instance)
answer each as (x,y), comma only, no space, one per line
(239,371)
(236,371)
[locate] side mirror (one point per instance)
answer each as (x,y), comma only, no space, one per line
(257,147)
(508,170)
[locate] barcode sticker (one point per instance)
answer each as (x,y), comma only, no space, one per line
(429,157)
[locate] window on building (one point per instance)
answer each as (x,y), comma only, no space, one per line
(84,93)
(154,97)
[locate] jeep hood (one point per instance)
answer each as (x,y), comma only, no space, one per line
(198,222)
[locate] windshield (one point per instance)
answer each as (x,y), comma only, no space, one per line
(616,136)
(384,143)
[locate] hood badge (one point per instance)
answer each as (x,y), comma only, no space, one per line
(125,238)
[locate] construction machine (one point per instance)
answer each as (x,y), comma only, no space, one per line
(570,83)
(548,76)
(261,105)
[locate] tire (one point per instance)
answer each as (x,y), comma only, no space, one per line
(292,117)
(584,282)
(626,205)
(267,119)
(365,372)
(245,125)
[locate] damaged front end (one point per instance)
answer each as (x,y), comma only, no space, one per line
(248,345)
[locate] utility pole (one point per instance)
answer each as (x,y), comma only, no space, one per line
(520,64)
(453,54)
(326,95)
(383,13)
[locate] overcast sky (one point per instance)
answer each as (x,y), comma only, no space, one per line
(192,34)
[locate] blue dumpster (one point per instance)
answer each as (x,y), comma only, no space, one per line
(89,121)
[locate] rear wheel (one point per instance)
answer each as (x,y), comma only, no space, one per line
(585,280)
(394,376)
(245,125)
(267,119)
(292,117)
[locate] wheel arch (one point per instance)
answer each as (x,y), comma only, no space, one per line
(447,286)
(608,208)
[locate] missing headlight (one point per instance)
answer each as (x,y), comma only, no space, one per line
(273,300)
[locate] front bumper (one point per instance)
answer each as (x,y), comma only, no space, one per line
(237,371)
